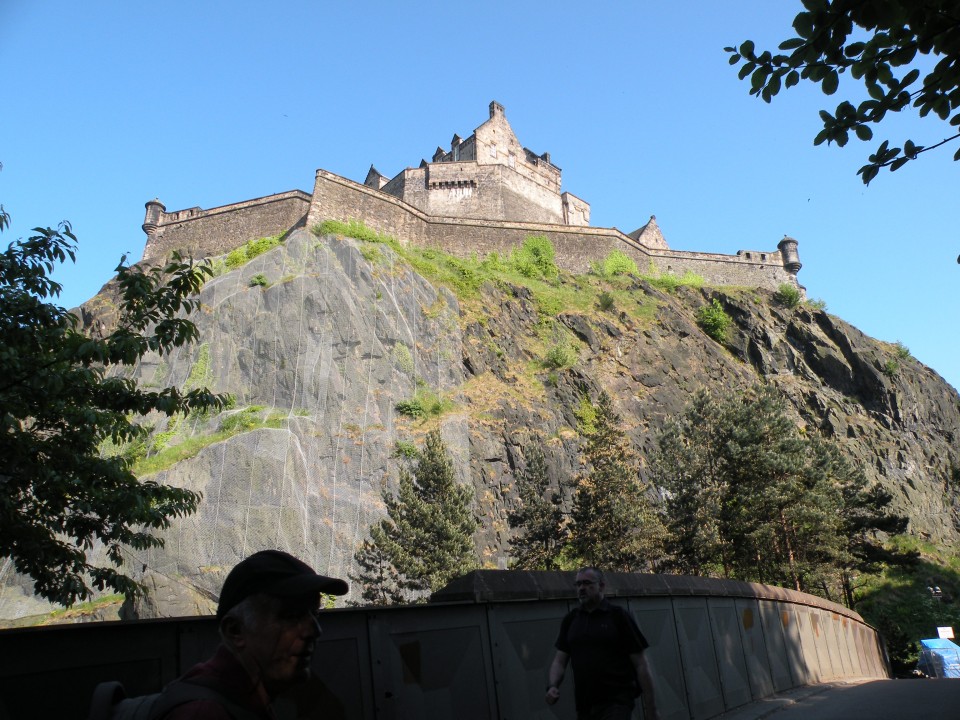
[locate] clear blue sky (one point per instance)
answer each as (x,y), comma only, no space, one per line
(109,104)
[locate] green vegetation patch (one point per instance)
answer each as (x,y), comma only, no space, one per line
(669,282)
(616,263)
(532,265)
(788,295)
(244,420)
(251,249)
(403,358)
(424,404)
(714,321)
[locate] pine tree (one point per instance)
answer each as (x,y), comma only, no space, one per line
(539,517)
(751,497)
(378,577)
(688,466)
(614,525)
(864,513)
(427,536)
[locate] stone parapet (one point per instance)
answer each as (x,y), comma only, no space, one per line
(221,229)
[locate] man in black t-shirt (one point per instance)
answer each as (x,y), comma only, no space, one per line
(606,648)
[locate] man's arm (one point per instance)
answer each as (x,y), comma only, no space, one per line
(645,681)
(557,670)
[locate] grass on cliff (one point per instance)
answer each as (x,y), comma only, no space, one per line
(238,257)
(531,265)
(252,417)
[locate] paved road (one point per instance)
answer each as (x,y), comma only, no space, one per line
(874,700)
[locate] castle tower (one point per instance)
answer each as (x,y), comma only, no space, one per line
(155,210)
(791,258)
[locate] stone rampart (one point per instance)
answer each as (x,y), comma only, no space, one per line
(337,198)
(221,229)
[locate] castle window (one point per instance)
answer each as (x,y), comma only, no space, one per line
(493,151)
(763,256)
(748,256)
(512,160)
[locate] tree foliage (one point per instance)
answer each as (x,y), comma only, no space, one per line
(885,44)
(62,395)
(752,497)
(539,517)
(613,523)
(427,537)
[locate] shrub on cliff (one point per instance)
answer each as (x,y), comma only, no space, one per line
(535,258)
(714,321)
(251,249)
(617,263)
(788,295)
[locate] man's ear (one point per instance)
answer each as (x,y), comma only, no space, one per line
(232,630)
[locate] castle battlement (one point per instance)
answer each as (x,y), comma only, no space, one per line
(487,193)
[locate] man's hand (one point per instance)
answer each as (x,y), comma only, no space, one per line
(553,694)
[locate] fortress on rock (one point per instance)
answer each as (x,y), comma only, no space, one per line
(486,193)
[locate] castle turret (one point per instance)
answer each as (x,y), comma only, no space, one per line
(155,210)
(791,258)
(495,108)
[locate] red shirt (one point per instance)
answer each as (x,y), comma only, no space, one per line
(223,673)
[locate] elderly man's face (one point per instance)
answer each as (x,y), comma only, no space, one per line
(589,588)
(280,639)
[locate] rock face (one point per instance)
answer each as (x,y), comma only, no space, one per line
(319,358)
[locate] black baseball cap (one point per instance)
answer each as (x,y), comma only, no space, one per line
(274,572)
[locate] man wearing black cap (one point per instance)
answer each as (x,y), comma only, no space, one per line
(268,626)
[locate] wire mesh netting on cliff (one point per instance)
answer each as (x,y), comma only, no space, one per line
(317,341)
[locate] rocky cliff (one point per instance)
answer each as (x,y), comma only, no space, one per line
(319,340)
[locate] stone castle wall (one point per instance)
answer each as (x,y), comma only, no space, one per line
(218,230)
(336,198)
(488,193)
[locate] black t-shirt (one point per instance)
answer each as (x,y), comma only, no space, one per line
(600,644)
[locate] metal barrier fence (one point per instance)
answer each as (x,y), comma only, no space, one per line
(714,645)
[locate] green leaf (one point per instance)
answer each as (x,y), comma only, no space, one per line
(746,48)
(864,132)
(793,77)
(910,78)
(734,59)
(868,173)
(831,82)
(791,44)
(758,78)
(746,70)
(854,49)
(897,164)
(803,24)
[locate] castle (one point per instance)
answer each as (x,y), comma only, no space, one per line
(487,193)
